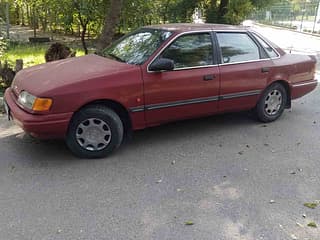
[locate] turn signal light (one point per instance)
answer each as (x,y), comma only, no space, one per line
(42,104)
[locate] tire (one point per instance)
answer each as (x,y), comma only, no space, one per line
(94,132)
(272,103)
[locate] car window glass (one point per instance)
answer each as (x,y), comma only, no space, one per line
(237,47)
(137,47)
(270,51)
(192,50)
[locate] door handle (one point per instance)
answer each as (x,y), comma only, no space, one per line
(209,77)
(265,70)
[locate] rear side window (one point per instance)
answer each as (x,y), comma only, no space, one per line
(270,51)
(192,50)
(237,47)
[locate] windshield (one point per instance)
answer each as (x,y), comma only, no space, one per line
(138,46)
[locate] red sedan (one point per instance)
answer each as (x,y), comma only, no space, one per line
(155,75)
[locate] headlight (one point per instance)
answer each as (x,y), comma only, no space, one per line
(26,99)
(34,103)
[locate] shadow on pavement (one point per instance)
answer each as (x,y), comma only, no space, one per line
(21,144)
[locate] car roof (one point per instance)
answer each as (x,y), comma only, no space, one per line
(186,27)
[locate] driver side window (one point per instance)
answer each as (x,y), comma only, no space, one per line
(192,50)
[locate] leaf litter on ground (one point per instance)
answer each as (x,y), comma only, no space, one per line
(189,223)
(312,224)
(310,205)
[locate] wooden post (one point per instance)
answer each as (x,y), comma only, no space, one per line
(19,65)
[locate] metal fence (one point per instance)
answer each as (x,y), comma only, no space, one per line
(302,16)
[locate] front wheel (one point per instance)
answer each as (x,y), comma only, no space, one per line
(94,132)
(272,103)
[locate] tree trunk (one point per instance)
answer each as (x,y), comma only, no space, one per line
(84,25)
(17,14)
(223,9)
(22,15)
(34,22)
(29,15)
(7,20)
(111,21)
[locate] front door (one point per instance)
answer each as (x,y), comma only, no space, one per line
(191,89)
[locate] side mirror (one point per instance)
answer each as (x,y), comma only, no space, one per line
(162,64)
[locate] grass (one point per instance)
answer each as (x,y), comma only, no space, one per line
(31,54)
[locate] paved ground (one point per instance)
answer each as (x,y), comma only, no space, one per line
(220,172)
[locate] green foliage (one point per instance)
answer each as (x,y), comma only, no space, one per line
(137,13)
(182,10)
(233,11)
(238,11)
(3,46)
(86,18)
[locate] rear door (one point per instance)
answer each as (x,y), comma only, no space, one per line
(192,88)
(244,70)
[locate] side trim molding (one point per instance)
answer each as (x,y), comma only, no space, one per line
(240,94)
(137,109)
(313,82)
(181,103)
(194,101)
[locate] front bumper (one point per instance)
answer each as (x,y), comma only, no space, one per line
(46,126)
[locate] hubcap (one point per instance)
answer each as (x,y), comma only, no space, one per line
(93,134)
(273,102)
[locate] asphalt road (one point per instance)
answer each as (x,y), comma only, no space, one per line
(231,176)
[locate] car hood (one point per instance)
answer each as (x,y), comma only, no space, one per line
(43,78)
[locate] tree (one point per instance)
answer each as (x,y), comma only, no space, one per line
(232,11)
(112,19)
(86,12)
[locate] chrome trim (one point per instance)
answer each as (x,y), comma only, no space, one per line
(171,41)
(251,61)
(182,103)
(240,94)
(137,109)
(197,67)
(194,101)
(305,84)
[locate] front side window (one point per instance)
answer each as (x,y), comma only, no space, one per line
(137,47)
(192,50)
(237,47)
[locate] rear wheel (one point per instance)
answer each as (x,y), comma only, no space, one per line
(94,132)
(272,103)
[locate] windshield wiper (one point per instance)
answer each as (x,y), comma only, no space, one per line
(115,57)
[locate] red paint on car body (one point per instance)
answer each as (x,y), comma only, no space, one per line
(152,98)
